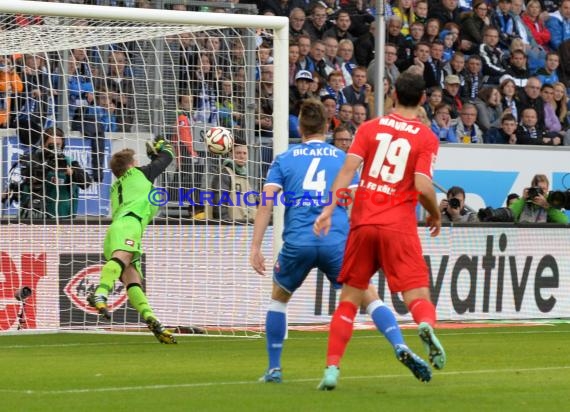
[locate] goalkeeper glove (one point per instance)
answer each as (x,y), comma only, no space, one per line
(159,145)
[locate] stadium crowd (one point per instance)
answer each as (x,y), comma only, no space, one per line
(481,60)
(496,72)
(484,63)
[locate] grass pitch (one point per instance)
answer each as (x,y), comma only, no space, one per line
(491,369)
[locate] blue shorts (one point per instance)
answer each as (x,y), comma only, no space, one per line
(295,262)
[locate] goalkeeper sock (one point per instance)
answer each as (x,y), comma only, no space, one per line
(385,322)
(275,328)
(422,310)
(341,327)
(139,300)
(111,271)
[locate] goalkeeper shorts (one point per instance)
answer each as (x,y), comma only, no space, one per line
(125,233)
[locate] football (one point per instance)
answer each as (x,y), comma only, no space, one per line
(219,140)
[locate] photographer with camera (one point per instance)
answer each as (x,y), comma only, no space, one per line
(453,207)
(534,205)
(49,181)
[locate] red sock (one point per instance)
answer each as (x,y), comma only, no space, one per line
(340,332)
(422,310)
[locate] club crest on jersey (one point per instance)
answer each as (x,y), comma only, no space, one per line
(129,242)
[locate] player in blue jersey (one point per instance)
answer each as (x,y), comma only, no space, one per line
(305,174)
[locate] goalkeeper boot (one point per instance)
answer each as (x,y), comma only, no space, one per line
(413,362)
(162,334)
(328,383)
(432,345)
(272,375)
(99,302)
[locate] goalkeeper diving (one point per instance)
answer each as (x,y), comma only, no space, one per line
(131,212)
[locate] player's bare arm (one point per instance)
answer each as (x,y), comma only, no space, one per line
(343,179)
(256,258)
(428,200)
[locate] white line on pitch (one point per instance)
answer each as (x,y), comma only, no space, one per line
(207,384)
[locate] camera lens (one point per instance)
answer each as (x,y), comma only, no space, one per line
(533,192)
(24,293)
(557,199)
(454,203)
(502,214)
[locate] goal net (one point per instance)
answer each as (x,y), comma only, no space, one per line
(110,78)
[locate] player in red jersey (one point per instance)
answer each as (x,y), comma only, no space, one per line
(398,153)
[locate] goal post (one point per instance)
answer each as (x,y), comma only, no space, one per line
(112,78)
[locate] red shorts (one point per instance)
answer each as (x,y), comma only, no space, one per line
(399,255)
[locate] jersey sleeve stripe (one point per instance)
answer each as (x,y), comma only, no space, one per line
(273,184)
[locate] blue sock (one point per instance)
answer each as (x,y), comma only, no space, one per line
(385,322)
(275,328)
